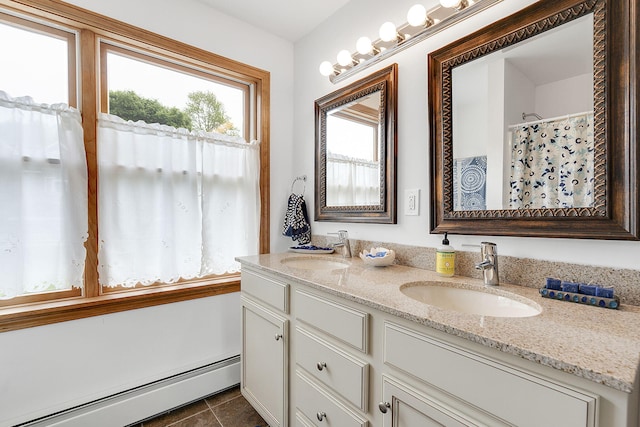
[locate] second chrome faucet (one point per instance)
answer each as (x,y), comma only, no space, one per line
(489,263)
(343,242)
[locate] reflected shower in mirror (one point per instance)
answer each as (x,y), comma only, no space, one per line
(533,124)
(356,151)
(523,124)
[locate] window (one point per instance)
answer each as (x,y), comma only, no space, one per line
(186,97)
(167,221)
(35,47)
(352,154)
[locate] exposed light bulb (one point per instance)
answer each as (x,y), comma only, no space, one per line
(326,68)
(388,32)
(450,3)
(344,58)
(364,45)
(417,15)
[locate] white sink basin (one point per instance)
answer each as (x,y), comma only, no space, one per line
(312,263)
(470,301)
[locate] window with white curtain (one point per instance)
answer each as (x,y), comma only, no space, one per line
(353,169)
(102,212)
(43,197)
(178,200)
(173,204)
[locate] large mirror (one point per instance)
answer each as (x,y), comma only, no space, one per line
(532,130)
(356,151)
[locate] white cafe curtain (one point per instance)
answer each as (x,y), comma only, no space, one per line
(351,181)
(43,197)
(173,204)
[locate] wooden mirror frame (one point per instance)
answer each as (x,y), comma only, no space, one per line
(615,213)
(385,81)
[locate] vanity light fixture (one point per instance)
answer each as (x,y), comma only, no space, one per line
(421,23)
(457,4)
(364,46)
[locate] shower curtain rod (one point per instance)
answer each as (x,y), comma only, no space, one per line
(568,116)
(525,115)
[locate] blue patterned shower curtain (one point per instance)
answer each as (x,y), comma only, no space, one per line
(552,164)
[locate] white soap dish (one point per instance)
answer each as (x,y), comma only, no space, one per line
(378,257)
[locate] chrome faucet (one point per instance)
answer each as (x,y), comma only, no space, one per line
(343,242)
(489,263)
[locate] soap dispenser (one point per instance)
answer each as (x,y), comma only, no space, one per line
(445,258)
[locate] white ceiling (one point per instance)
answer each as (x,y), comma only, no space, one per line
(289,19)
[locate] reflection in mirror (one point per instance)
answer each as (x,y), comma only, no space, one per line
(523,124)
(353,153)
(533,124)
(356,151)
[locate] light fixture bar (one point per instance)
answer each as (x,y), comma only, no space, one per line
(409,36)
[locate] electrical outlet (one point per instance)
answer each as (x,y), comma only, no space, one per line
(412,202)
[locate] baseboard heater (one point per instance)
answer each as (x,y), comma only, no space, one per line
(142,402)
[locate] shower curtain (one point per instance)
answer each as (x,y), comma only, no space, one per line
(552,163)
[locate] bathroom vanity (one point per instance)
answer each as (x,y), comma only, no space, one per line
(329,341)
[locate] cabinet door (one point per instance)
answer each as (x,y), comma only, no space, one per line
(265,362)
(404,406)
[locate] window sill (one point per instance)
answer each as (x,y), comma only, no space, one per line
(38,314)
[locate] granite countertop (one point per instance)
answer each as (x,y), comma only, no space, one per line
(601,345)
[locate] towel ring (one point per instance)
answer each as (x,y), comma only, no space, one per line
(302,178)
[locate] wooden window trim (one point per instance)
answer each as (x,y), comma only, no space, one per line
(38,314)
(91,27)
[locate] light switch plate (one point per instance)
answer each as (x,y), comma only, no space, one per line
(412,202)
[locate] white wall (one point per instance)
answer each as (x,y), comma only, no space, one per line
(49,368)
(573,95)
(363,17)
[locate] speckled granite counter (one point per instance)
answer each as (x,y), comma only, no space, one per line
(598,344)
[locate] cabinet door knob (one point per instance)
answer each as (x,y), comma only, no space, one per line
(384,407)
(321,366)
(321,416)
(278,337)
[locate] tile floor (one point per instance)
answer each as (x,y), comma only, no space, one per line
(226,409)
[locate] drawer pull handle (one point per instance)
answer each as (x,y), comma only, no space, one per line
(278,337)
(321,416)
(384,407)
(321,366)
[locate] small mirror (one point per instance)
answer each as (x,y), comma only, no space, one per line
(532,127)
(356,151)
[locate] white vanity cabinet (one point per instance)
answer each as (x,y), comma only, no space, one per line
(506,395)
(265,352)
(406,406)
(330,349)
(340,363)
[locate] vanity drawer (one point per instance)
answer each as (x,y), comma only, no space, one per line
(302,421)
(268,290)
(346,375)
(339,321)
(320,408)
(517,397)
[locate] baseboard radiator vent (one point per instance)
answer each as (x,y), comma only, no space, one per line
(143,402)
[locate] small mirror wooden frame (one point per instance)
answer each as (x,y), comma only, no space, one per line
(384,81)
(614,214)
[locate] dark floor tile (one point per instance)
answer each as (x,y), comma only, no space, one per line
(177,414)
(223,397)
(238,413)
(202,419)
